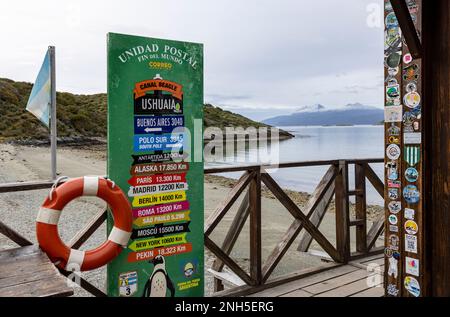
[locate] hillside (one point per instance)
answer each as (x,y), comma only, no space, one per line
(80,115)
(319,115)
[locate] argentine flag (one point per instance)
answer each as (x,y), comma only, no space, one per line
(40,97)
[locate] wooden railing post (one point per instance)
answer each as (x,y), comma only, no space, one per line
(342,213)
(255,228)
(361,208)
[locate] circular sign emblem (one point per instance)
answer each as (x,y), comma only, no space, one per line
(395,207)
(412,286)
(391,20)
(411,174)
(411,194)
(412,99)
(393,152)
(393,71)
(411,227)
(393,60)
(388,252)
(411,87)
(407,58)
(393,220)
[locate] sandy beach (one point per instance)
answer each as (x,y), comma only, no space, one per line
(18,210)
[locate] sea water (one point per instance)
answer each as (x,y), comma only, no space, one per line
(312,144)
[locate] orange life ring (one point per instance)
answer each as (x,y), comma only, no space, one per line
(48,217)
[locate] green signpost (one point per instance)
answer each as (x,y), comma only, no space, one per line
(155,113)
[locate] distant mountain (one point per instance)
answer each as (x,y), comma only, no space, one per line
(351,114)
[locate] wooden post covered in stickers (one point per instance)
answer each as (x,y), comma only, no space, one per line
(155,147)
(404,226)
(417,148)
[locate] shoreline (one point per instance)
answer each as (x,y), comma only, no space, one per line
(29,163)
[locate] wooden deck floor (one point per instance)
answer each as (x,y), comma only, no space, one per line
(344,281)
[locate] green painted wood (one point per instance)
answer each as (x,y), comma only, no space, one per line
(154,78)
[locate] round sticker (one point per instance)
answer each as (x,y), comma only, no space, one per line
(393,60)
(393,220)
(411,174)
(411,194)
(395,207)
(407,58)
(393,71)
(391,20)
(411,72)
(393,152)
(388,252)
(412,99)
(411,227)
(393,241)
(411,87)
(393,91)
(412,286)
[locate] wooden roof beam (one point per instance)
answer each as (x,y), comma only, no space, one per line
(407,26)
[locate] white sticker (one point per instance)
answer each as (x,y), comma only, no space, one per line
(393,152)
(393,267)
(412,138)
(410,243)
(393,220)
(412,266)
(127,283)
(393,228)
(393,114)
(409,213)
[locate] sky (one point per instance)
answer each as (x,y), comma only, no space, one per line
(262,58)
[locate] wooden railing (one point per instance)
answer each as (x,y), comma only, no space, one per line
(334,183)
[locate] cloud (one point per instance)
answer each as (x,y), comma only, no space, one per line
(259,54)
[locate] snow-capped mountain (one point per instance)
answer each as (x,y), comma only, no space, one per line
(313,108)
(351,114)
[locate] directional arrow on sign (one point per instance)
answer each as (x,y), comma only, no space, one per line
(148,130)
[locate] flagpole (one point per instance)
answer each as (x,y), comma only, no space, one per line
(53,111)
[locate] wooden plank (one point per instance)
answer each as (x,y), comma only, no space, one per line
(248,290)
(374,233)
(228,261)
(227,277)
(218,170)
(361,208)
(84,234)
(348,289)
(223,208)
(24,186)
(297,293)
(373,178)
(27,277)
(14,235)
(342,214)
(336,282)
(318,205)
(371,292)
(255,228)
(50,287)
(407,26)
(298,214)
(27,271)
(231,237)
(304,282)
(281,248)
